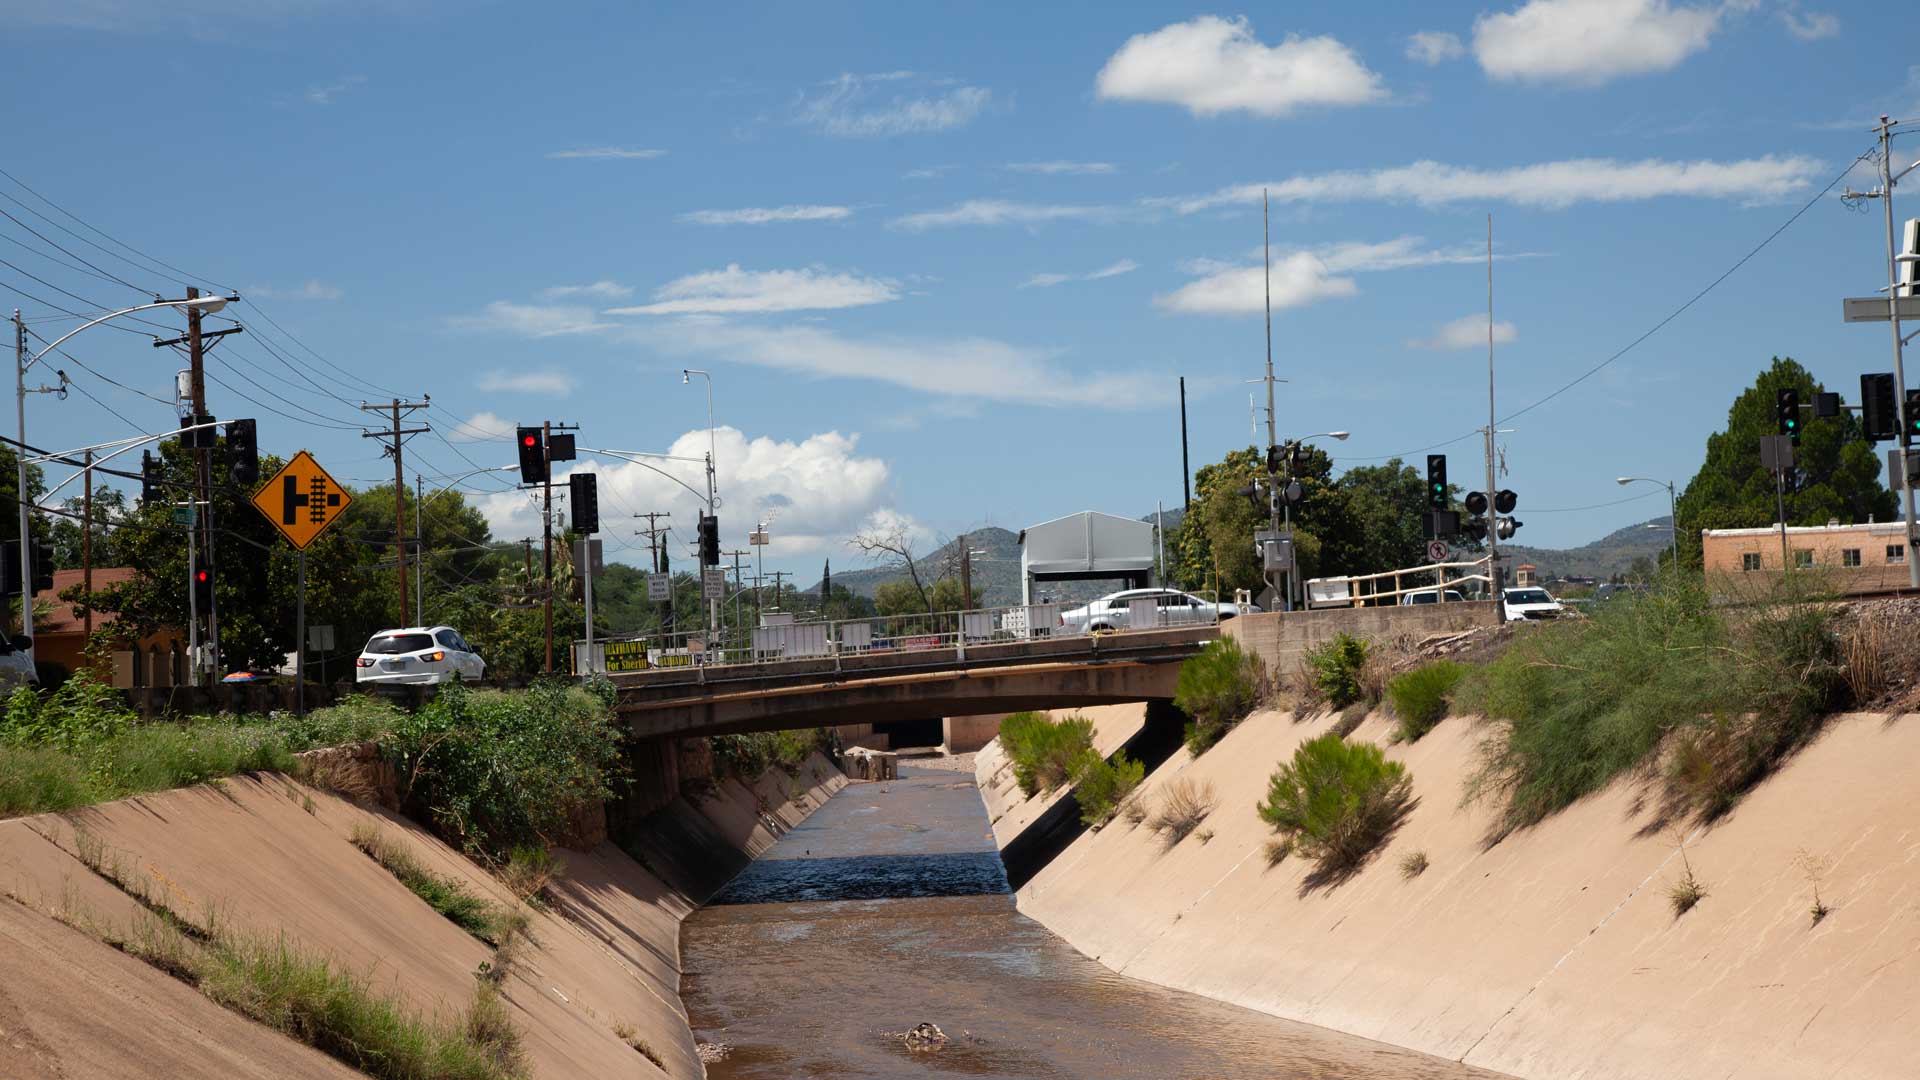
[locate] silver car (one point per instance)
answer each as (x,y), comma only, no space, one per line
(1171,608)
(417,654)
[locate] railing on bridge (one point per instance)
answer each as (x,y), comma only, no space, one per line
(952,632)
(1370,589)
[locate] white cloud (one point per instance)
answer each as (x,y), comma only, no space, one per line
(327,93)
(607,153)
(1048,281)
(737,291)
(481,427)
(1299,279)
(1212,65)
(1000,212)
(1063,168)
(1553,184)
(823,488)
(533,320)
(1588,42)
(930,172)
(1434,47)
(311,290)
(971,367)
(851,106)
(1811,25)
(604,290)
(556,383)
(766,215)
(1466,332)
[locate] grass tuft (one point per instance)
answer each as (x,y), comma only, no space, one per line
(1413,864)
(1184,806)
(1420,698)
(628,1034)
(452,898)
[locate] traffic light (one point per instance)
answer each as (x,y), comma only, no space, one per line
(1476,503)
(1504,501)
(42,565)
(583,490)
(1437,481)
(1508,527)
(243,453)
(149,478)
(1877,418)
(1913,413)
(533,455)
(1786,413)
(1477,528)
(205,438)
(709,540)
(1275,459)
(560,446)
(203,586)
(1826,404)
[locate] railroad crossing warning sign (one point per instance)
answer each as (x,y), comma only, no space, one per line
(302,500)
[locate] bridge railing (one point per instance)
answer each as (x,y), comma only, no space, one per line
(1389,586)
(951,632)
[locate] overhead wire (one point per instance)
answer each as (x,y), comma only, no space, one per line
(119,243)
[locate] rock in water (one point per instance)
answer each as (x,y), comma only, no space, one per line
(925,1036)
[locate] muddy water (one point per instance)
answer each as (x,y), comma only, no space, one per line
(888,908)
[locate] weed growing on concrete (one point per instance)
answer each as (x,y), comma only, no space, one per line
(1335,667)
(1420,698)
(1277,850)
(628,1034)
(1814,868)
(1205,836)
(1102,787)
(1044,751)
(1412,865)
(1218,688)
(1337,802)
(745,757)
(1184,806)
(452,898)
(1689,890)
(1134,810)
(1351,718)
(528,870)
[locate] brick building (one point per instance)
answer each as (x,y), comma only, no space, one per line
(1857,558)
(59,635)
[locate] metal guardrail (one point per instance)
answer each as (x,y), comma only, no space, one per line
(948,631)
(1358,589)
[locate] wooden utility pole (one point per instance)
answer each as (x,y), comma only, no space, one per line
(203,473)
(86,557)
(397,435)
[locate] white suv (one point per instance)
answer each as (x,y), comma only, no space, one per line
(1530,603)
(417,654)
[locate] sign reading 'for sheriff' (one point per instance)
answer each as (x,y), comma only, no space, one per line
(302,500)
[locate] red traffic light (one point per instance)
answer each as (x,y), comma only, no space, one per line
(530,440)
(202,576)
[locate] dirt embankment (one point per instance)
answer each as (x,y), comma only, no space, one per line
(597,977)
(1554,953)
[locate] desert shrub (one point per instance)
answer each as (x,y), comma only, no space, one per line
(1726,694)
(1335,667)
(1420,698)
(1337,801)
(1413,864)
(1182,808)
(1351,717)
(81,713)
(1101,786)
(494,770)
(1218,688)
(1044,751)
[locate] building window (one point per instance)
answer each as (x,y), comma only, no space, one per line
(1896,553)
(1802,558)
(1750,561)
(1850,557)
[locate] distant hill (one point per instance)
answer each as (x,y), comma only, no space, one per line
(1612,554)
(997,571)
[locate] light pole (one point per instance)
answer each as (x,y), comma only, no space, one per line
(713,501)
(1673,508)
(22,363)
(1280,511)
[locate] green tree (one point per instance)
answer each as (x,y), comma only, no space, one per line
(898,598)
(946,596)
(109,506)
(1835,474)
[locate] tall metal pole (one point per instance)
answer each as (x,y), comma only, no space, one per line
(1493,514)
(203,474)
(20,478)
(86,554)
(1673,519)
(546,533)
(1273,439)
(1780,505)
(1186,466)
(419,539)
(1893,320)
(399,514)
(300,639)
(586,550)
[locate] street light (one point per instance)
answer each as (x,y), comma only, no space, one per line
(1673,508)
(22,363)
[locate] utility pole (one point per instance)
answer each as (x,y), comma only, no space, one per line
(1273,438)
(419,554)
(86,555)
(739,585)
(1493,512)
(1885,195)
(778,576)
(1186,466)
(966,574)
(398,410)
(202,474)
(657,547)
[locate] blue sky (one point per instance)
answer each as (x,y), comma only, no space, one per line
(946,265)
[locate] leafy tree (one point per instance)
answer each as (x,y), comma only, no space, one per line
(899,598)
(109,506)
(946,596)
(1835,474)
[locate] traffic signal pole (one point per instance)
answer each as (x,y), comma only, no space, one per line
(1893,320)
(1493,511)
(546,531)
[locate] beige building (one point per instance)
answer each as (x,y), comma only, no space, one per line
(1859,558)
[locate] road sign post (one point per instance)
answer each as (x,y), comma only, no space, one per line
(302,501)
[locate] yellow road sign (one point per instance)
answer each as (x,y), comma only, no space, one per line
(302,500)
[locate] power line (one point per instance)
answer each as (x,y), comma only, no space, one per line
(22,185)
(56,246)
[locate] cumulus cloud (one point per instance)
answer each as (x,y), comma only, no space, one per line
(1553,185)
(1588,42)
(606,153)
(1211,65)
(857,106)
(825,489)
(1434,47)
(310,290)
(602,290)
(1810,25)
(1048,281)
(533,320)
(1466,332)
(481,427)
(767,215)
(556,383)
(1299,279)
(968,367)
(1000,212)
(734,291)
(1063,168)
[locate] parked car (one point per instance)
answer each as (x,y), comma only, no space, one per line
(417,654)
(1175,608)
(1431,596)
(1532,603)
(16,667)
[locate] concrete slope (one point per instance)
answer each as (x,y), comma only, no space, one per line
(1554,953)
(1010,812)
(267,855)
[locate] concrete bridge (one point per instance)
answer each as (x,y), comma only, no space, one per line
(857,688)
